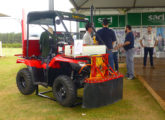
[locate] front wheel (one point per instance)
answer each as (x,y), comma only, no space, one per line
(64,91)
(24,82)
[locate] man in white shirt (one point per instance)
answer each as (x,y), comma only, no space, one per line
(148,41)
(87,36)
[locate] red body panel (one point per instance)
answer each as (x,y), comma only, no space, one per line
(54,63)
(32,63)
(34,48)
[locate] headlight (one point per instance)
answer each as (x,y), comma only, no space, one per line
(81,63)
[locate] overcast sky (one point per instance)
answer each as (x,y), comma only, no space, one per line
(14,8)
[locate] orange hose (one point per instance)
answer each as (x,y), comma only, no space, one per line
(83,67)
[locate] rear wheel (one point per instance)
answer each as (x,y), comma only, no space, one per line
(24,82)
(64,91)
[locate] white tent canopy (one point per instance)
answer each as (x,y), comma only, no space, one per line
(117,4)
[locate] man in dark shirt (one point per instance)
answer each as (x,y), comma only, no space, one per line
(107,36)
(129,48)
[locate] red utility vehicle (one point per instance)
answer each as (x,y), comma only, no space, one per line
(61,70)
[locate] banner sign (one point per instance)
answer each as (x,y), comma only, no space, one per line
(114,20)
(133,19)
(153,18)
(122,21)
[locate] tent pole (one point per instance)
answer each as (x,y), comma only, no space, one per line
(51,5)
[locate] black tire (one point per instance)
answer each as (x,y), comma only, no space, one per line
(24,82)
(64,91)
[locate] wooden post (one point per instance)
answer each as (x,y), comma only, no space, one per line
(0,48)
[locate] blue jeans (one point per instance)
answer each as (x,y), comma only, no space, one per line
(115,59)
(110,58)
(130,62)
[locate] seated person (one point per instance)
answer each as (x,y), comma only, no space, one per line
(87,36)
(47,39)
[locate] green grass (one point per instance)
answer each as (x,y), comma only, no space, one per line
(12,45)
(137,103)
(11,51)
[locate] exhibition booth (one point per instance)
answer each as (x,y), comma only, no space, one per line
(137,13)
(139,22)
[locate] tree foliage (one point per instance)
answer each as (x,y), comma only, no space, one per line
(11,38)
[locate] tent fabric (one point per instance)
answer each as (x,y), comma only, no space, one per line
(116,4)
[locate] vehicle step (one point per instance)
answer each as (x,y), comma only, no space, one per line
(41,83)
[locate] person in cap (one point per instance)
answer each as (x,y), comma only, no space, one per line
(87,36)
(106,36)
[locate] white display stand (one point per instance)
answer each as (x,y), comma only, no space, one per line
(160,54)
(87,50)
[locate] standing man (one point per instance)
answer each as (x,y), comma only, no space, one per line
(148,42)
(129,48)
(87,36)
(107,36)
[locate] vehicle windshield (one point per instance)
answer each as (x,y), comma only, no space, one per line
(67,32)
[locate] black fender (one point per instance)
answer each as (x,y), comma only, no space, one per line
(37,74)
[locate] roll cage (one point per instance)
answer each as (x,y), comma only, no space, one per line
(48,18)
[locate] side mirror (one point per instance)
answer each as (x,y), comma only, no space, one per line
(58,22)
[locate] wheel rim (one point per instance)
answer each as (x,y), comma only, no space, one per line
(22,82)
(61,91)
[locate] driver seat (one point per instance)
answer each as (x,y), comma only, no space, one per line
(44,44)
(47,43)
